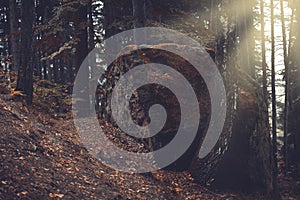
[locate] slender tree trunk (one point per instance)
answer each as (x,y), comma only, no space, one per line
(81,53)
(274,110)
(263,49)
(38,64)
(82,46)
(139,15)
(71,68)
(246,38)
(62,71)
(25,72)
(109,17)
(46,64)
(14,42)
(55,71)
(287,88)
(212,5)
(50,69)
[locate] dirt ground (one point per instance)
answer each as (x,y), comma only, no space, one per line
(42,157)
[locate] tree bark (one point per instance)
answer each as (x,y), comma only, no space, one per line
(247,165)
(139,15)
(25,72)
(294,126)
(263,53)
(14,42)
(81,16)
(212,5)
(287,86)
(274,104)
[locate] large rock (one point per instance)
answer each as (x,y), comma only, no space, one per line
(148,95)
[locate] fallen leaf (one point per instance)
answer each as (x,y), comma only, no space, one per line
(53,195)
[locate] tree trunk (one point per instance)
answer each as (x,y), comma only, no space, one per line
(81,53)
(25,72)
(247,164)
(274,104)
(287,87)
(109,17)
(246,37)
(294,125)
(296,156)
(14,42)
(212,5)
(139,15)
(55,71)
(263,52)
(91,44)
(46,64)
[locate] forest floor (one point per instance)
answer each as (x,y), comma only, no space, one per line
(41,157)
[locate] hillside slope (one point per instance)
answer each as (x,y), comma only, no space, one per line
(42,157)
